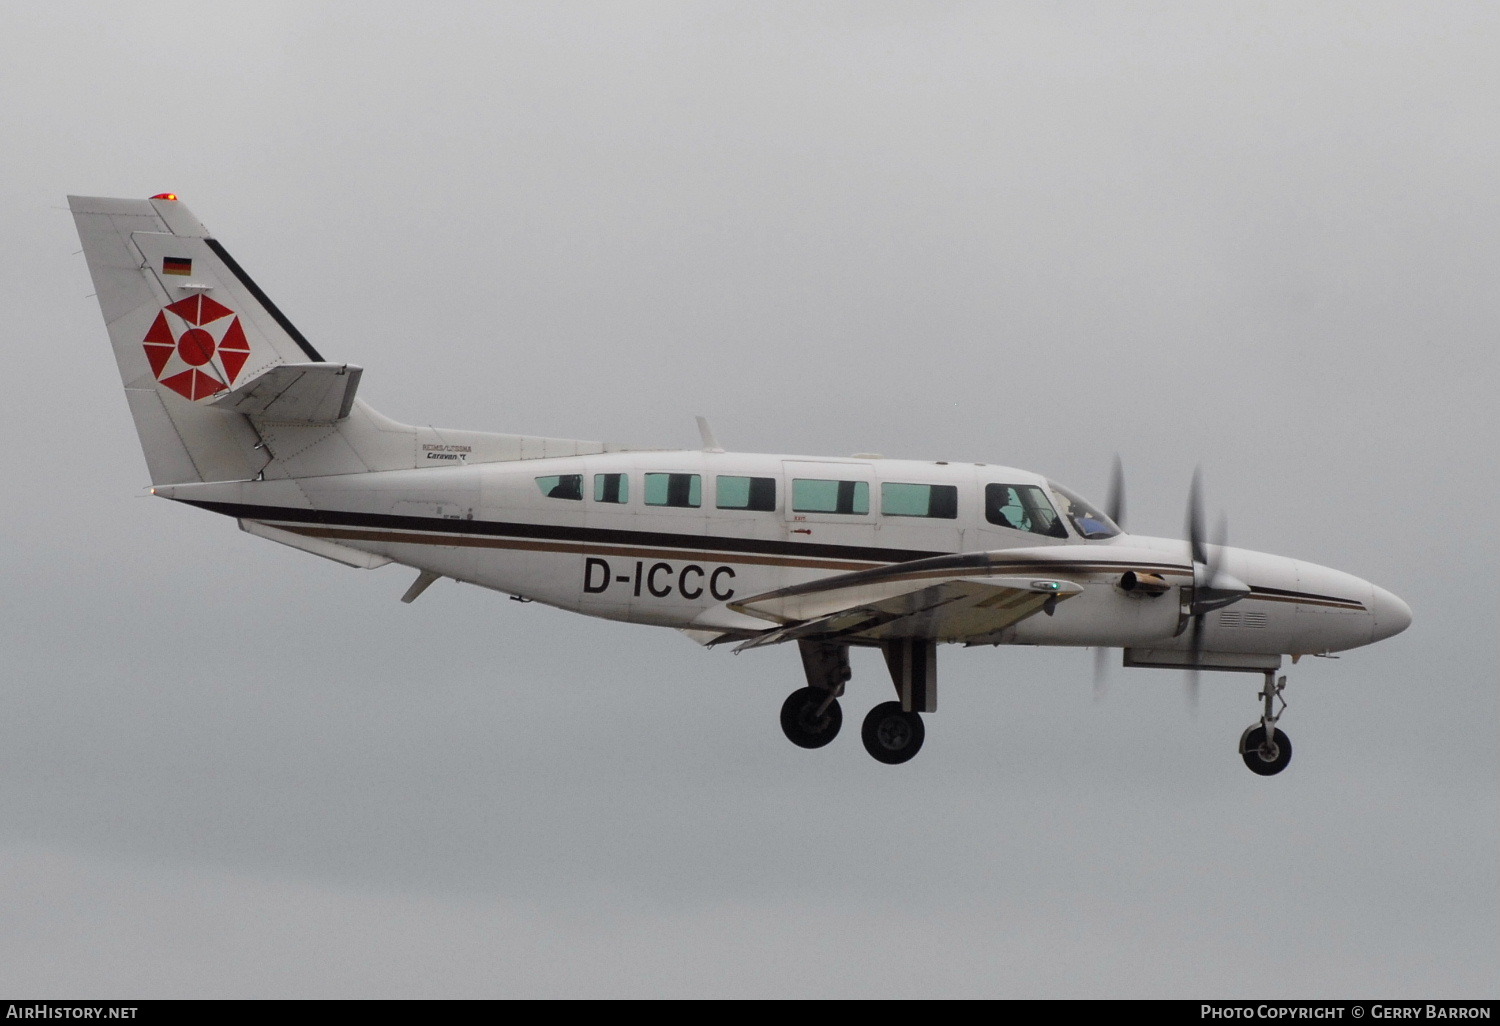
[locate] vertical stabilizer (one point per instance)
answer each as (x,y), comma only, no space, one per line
(222,387)
(186,325)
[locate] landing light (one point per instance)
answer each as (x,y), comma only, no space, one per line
(165,196)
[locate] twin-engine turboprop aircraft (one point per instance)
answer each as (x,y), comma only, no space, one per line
(238,414)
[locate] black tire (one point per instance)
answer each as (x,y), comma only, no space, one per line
(891,735)
(797,721)
(1267,760)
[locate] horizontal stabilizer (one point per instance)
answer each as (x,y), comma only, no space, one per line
(346,554)
(307,393)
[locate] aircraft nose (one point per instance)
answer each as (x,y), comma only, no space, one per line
(1392,616)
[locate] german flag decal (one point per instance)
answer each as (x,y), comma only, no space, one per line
(176,265)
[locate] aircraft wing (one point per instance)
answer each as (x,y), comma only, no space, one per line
(882,605)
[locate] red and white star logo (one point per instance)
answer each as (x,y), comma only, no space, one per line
(197,347)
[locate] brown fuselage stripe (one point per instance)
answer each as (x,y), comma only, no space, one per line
(1063,569)
(575,548)
(586,548)
(870,563)
(1257,594)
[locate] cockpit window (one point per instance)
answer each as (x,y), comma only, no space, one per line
(1023,508)
(1087,520)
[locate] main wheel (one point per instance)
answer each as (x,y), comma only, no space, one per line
(891,735)
(801,723)
(1267,758)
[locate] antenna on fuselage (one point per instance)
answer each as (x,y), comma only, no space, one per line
(710,443)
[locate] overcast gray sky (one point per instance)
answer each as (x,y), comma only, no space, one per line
(1261,237)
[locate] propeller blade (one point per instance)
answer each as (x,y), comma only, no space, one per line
(1195,520)
(1213,587)
(1115,501)
(1205,574)
(1101,672)
(1196,642)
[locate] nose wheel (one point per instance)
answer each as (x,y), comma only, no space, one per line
(1265,755)
(1264,747)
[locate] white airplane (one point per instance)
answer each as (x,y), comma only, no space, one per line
(238,414)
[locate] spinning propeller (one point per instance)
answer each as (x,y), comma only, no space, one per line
(1211,589)
(1114,506)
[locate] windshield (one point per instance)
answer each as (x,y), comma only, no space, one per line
(1087,521)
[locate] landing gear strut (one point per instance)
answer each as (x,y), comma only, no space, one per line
(811,717)
(1265,749)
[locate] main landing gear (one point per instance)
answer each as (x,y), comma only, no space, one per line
(811,717)
(892,731)
(892,735)
(1265,749)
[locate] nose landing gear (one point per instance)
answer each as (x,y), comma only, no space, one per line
(1266,749)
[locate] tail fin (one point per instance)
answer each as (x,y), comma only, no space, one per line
(222,386)
(187,325)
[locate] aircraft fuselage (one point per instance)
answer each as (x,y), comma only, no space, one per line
(668,538)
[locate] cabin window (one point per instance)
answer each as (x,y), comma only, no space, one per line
(561,486)
(1023,508)
(757,493)
(611,488)
(674,490)
(814,496)
(919,500)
